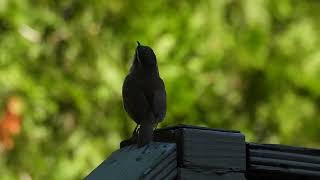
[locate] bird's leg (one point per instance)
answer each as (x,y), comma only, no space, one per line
(146,147)
(155,126)
(135,131)
(134,136)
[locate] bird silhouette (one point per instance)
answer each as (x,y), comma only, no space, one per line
(144,94)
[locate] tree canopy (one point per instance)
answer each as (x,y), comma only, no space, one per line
(252,66)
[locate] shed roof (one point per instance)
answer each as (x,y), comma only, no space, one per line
(191,152)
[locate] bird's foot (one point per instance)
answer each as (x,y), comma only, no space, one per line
(146,147)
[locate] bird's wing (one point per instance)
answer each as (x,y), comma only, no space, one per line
(159,102)
(134,100)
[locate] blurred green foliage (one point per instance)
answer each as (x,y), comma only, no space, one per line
(248,65)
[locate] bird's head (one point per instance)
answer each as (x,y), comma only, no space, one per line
(145,55)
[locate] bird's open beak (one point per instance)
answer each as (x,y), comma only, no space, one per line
(137,54)
(137,51)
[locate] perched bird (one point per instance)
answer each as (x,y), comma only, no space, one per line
(144,94)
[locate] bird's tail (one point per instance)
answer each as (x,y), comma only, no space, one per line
(145,134)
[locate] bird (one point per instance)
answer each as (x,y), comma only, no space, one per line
(144,94)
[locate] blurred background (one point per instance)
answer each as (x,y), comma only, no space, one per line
(252,66)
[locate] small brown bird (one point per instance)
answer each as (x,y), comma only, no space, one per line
(144,94)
